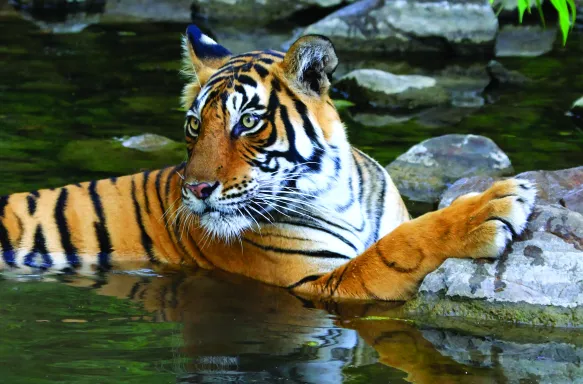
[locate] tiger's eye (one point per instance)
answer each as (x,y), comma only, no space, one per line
(248,120)
(194,123)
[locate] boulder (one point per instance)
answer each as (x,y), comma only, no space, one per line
(537,280)
(524,41)
(372,87)
(259,11)
(464,26)
(562,187)
(543,268)
(425,171)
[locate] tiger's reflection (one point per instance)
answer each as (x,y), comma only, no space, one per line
(242,330)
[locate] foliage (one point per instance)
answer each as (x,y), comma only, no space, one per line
(566,9)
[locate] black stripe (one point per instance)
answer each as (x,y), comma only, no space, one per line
(325,230)
(261,70)
(3,204)
(39,248)
(105,247)
(506,223)
(145,238)
(7,249)
(305,280)
(244,79)
(319,253)
(163,210)
(62,225)
(145,190)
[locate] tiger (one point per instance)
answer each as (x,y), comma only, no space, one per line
(271,189)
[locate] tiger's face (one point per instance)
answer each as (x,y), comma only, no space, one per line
(262,135)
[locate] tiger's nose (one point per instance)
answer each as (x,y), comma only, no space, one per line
(202,190)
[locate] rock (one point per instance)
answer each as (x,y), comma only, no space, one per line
(543,268)
(520,360)
(385,90)
(538,279)
(425,171)
(124,156)
(259,11)
(573,200)
(147,142)
(554,187)
(380,119)
(152,10)
(501,75)
(524,41)
(464,26)
(576,112)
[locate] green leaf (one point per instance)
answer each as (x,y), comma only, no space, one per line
(564,17)
(523,5)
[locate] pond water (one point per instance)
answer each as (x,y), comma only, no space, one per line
(191,326)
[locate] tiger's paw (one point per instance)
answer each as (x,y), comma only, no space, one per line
(497,216)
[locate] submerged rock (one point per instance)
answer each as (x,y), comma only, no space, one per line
(505,76)
(465,26)
(425,171)
(385,90)
(524,41)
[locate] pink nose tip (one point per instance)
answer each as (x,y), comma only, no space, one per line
(202,190)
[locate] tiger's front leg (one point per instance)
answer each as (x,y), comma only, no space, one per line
(474,226)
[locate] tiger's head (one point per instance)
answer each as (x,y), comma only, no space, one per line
(263,136)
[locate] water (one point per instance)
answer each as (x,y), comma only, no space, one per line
(61,94)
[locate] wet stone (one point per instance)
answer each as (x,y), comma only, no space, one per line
(426,170)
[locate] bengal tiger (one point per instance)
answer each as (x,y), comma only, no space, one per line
(271,190)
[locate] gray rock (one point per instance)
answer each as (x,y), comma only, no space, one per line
(524,41)
(465,26)
(543,268)
(385,90)
(258,11)
(518,361)
(146,142)
(425,171)
(505,76)
(554,187)
(142,10)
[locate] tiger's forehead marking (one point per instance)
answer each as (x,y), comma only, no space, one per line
(245,70)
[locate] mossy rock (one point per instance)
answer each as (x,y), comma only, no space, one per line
(113,157)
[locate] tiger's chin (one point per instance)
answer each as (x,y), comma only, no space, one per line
(224,226)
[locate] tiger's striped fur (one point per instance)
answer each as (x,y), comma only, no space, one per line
(271,190)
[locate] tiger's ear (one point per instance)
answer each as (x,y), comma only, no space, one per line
(309,63)
(201,57)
